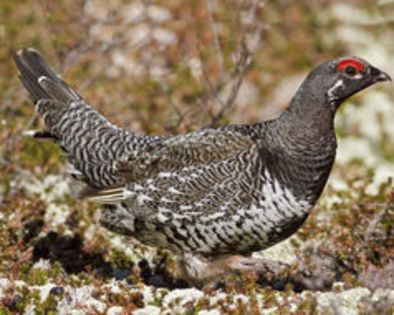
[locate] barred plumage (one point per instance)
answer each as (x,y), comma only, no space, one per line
(90,141)
(211,195)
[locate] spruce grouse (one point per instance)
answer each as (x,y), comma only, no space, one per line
(212,196)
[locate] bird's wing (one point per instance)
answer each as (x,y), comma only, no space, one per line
(190,199)
(213,179)
(176,153)
(198,165)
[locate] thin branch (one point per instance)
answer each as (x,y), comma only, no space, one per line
(241,67)
(213,90)
(250,42)
(181,115)
(215,35)
(204,111)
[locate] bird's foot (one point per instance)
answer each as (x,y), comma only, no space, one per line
(270,269)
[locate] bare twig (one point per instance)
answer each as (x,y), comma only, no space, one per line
(215,35)
(181,115)
(242,65)
(213,91)
(205,110)
(250,43)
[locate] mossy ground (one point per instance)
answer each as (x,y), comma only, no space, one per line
(160,69)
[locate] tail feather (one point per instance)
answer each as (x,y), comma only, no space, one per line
(90,141)
(40,80)
(29,79)
(57,91)
(77,128)
(39,134)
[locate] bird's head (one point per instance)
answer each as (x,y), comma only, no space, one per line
(341,78)
(326,87)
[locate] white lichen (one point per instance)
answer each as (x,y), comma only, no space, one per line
(180,297)
(148,310)
(283,251)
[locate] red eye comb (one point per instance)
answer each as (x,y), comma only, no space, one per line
(350,62)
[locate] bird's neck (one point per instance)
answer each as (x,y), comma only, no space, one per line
(303,147)
(309,115)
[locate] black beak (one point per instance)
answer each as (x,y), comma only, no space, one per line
(379,75)
(383,76)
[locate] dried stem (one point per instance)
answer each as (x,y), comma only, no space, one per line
(215,35)
(241,67)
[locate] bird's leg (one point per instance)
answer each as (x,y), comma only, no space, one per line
(270,269)
(200,269)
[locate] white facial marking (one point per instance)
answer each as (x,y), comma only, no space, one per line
(358,76)
(331,91)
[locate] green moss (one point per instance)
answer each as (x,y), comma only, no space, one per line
(120,260)
(5,311)
(6,9)
(37,277)
(31,18)
(45,154)
(269,297)
(308,305)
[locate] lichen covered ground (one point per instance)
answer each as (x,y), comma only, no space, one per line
(160,69)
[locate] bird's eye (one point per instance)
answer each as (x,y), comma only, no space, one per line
(350,70)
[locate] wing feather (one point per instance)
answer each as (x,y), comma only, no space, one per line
(175,153)
(193,186)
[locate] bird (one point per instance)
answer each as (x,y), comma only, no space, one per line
(213,196)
